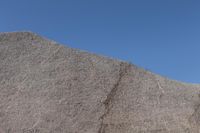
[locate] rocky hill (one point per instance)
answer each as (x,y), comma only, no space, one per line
(49,88)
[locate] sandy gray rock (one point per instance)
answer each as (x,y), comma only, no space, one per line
(48,88)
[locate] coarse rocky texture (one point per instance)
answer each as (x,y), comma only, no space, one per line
(49,88)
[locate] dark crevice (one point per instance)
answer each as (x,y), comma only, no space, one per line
(195,117)
(124,68)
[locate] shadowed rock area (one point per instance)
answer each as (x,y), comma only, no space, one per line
(49,88)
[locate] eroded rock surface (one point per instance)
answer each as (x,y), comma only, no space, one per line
(48,88)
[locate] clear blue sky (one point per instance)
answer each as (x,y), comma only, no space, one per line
(160,35)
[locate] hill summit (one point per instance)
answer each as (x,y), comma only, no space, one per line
(49,88)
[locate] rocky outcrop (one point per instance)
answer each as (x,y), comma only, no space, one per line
(49,88)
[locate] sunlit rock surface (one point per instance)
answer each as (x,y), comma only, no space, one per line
(49,88)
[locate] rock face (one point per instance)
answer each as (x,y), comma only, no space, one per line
(49,88)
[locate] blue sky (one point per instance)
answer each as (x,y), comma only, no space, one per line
(160,35)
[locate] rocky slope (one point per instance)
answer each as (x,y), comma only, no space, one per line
(48,88)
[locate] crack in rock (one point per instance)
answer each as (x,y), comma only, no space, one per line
(124,68)
(195,117)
